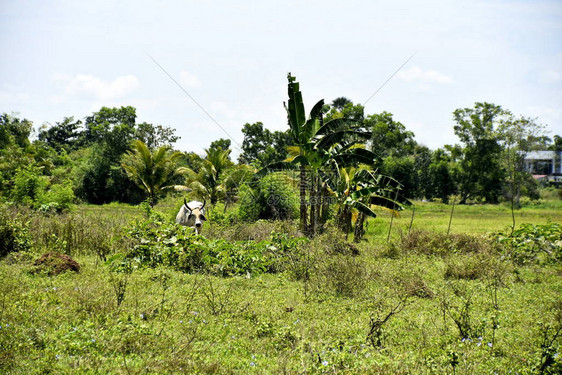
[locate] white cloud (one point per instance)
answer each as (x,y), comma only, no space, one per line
(416,74)
(93,86)
(189,80)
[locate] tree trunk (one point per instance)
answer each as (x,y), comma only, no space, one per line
(314,204)
(359,228)
(344,219)
(325,206)
(303,214)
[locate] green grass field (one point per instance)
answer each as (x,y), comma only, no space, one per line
(473,219)
(392,309)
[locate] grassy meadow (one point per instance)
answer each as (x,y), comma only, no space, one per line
(423,302)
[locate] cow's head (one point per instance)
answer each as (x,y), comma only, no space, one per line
(196,215)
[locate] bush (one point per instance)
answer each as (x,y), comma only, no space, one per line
(533,243)
(440,244)
(14,234)
(29,185)
(161,244)
(58,198)
(270,198)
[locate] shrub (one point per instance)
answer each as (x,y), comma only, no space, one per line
(468,267)
(440,244)
(28,185)
(270,198)
(157,243)
(58,198)
(533,243)
(14,234)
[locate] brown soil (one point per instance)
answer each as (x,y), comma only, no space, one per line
(55,263)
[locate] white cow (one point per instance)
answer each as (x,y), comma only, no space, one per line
(192,214)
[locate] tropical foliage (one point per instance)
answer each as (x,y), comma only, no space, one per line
(151,170)
(320,152)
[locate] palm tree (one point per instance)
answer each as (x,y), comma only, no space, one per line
(152,171)
(208,181)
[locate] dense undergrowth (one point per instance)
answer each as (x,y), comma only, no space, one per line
(257,298)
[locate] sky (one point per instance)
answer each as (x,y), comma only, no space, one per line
(231,59)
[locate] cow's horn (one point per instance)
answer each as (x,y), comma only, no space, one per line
(204,201)
(185,204)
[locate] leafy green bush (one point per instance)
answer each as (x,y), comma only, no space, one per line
(33,189)
(14,234)
(171,245)
(270,198)
(59,197)
(29,185)
(533,243)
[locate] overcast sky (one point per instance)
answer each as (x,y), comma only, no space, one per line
(70,58)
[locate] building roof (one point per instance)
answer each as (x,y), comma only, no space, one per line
(542,155)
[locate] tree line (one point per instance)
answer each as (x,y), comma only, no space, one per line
(358,159)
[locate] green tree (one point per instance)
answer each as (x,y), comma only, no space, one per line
(62,135)
(257,139)
(518,136)
(114,128)
(14,130)
(261,147)
(15,149)
(402,169)
(339,103)
(152,171)
(155,136)
(389,137)
(557,144)
(108,134)
(221,143)
(29,185)
(344,108)
(482,174)
(441,177)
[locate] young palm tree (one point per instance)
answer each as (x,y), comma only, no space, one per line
(208,182)
(152,171)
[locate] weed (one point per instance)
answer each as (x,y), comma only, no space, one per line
(533,243)
(377,323)
(14,234)
(440,244)
(219,301)
(550,335)
(119,283)
(339,275)
(409,282)
(459,307)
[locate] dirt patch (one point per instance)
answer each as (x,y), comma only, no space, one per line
(53,263)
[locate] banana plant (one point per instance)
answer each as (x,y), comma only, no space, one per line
(362,189)
(318,145)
